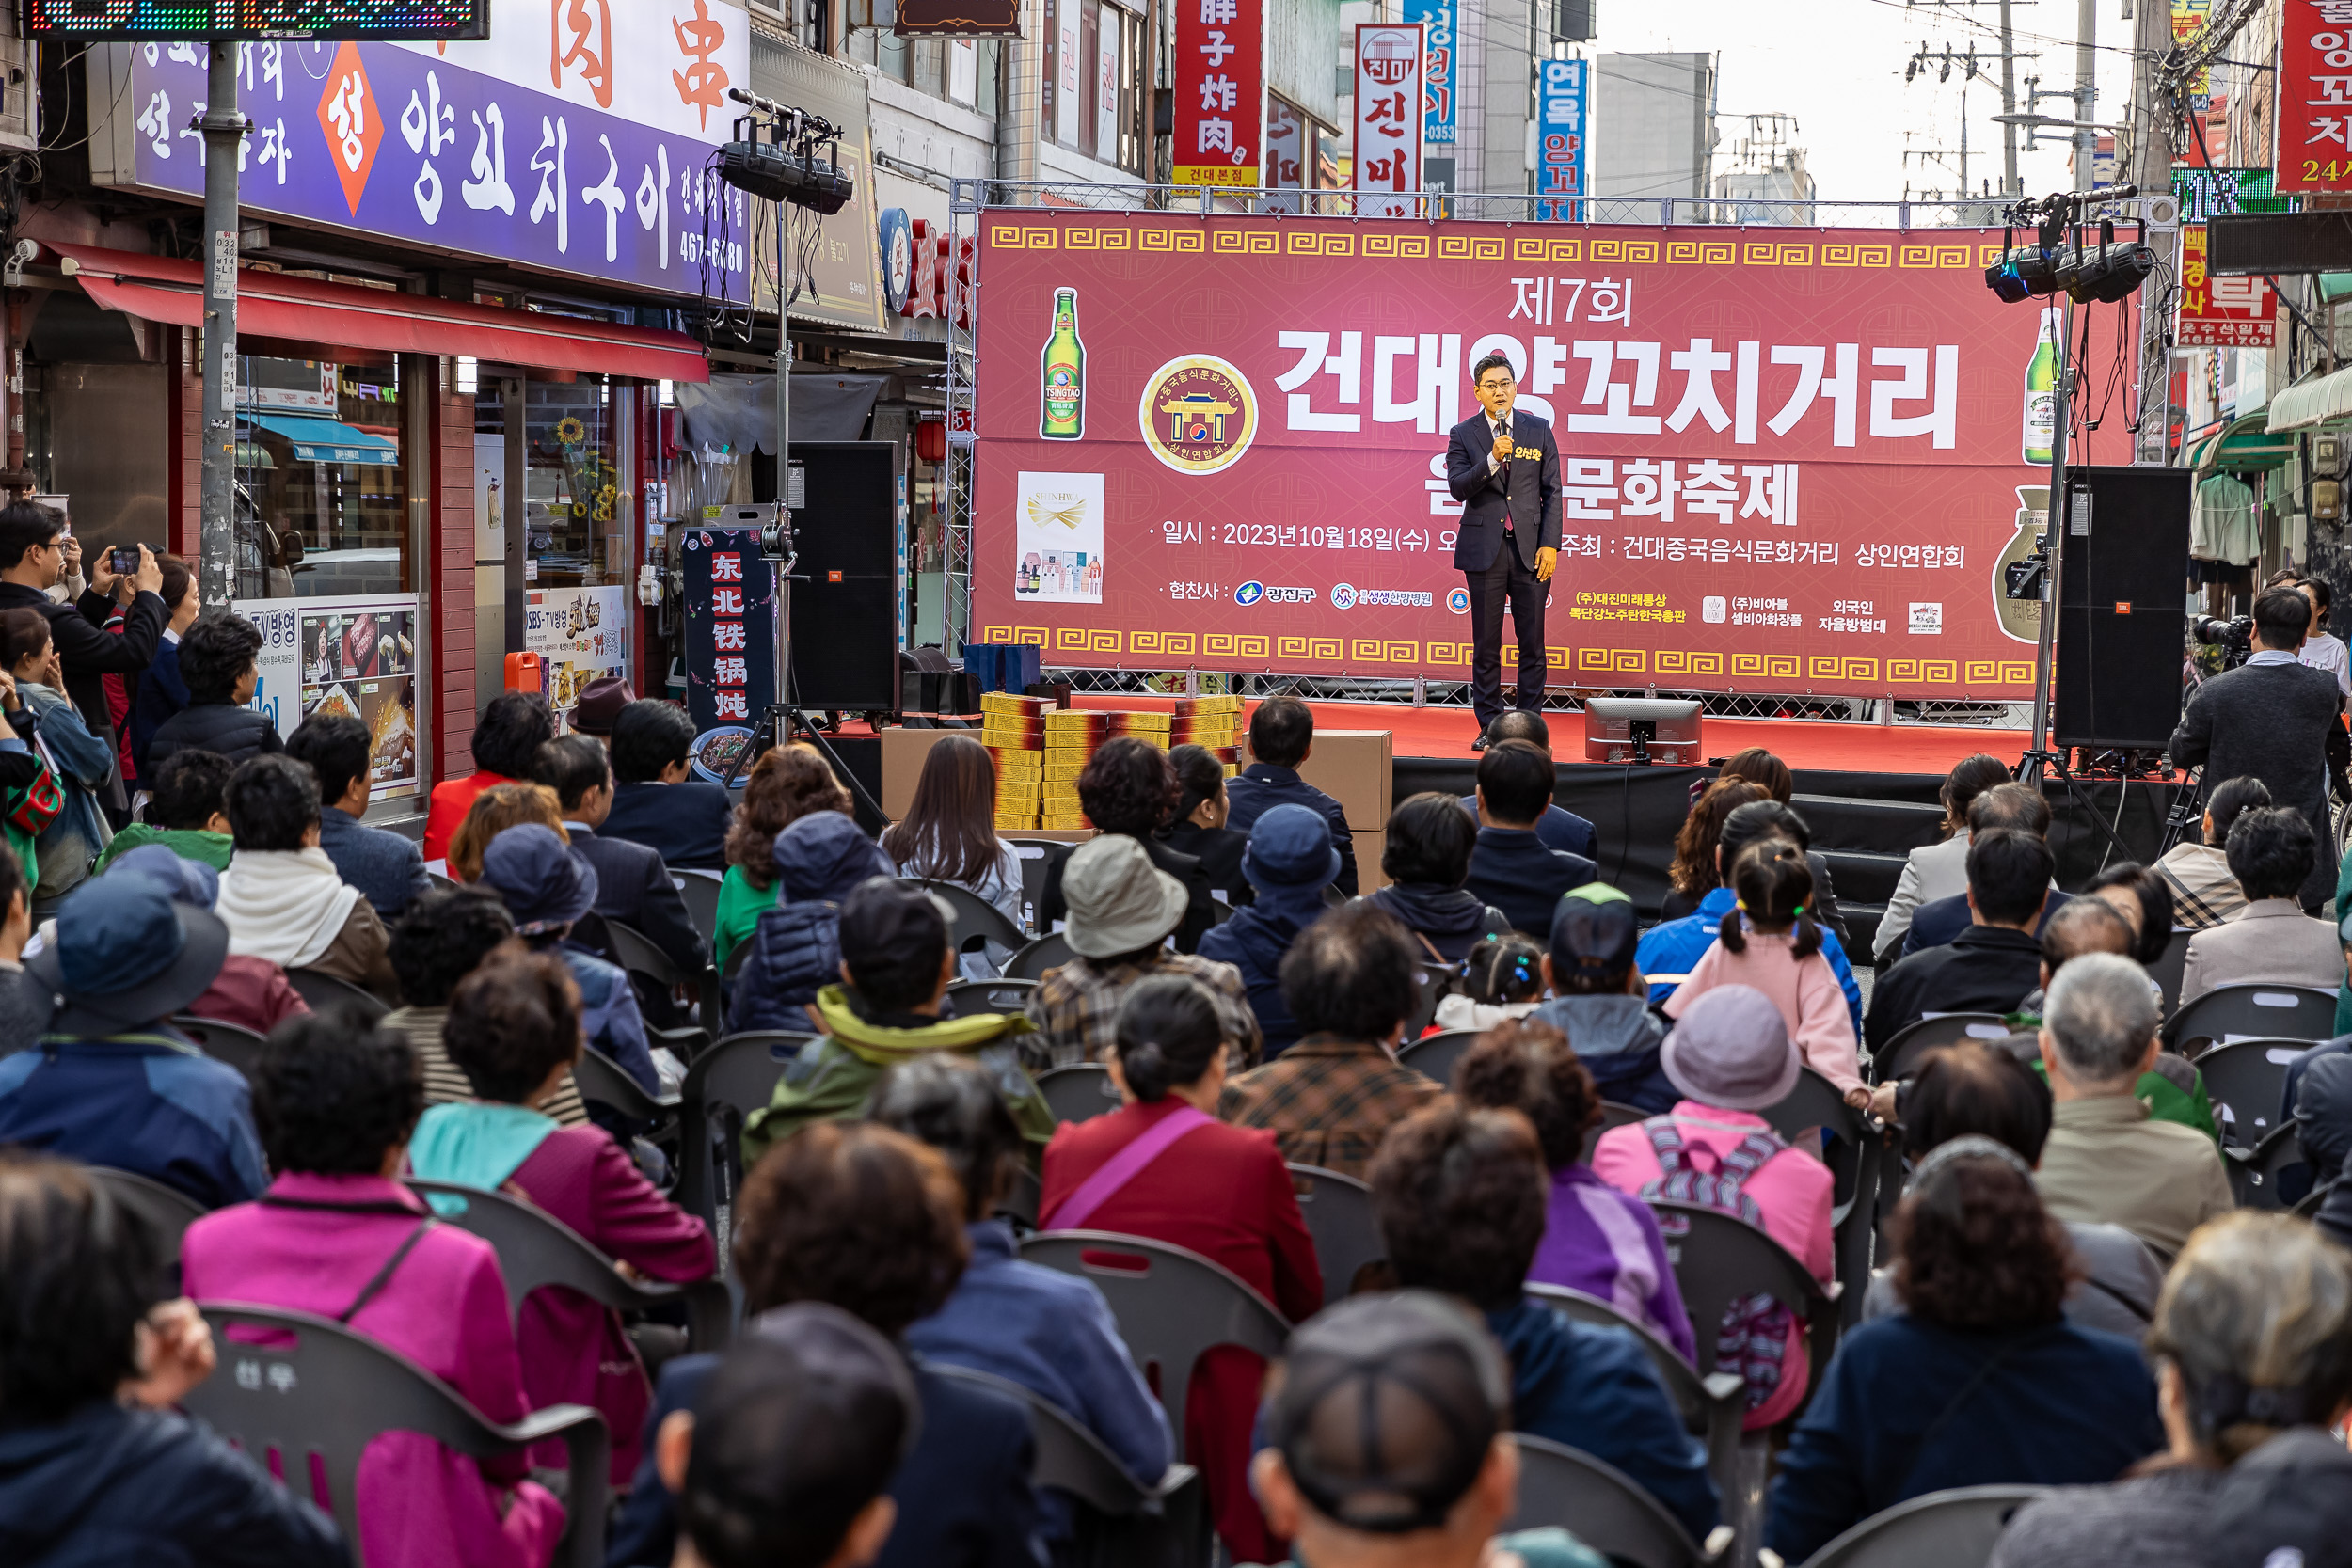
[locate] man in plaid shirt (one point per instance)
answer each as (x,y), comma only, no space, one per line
(1332,1097)
(1121,909)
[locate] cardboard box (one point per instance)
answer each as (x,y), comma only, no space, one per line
(902,754)
(1355,769)
(1368,849)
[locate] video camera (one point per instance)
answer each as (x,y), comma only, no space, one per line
(2025,576)
(2236,638)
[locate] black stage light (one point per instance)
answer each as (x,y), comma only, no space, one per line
(778,174)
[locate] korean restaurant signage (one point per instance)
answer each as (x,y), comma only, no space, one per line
(577,139)
(1437,19)
(1221,91)
(1387,169)
(2221,313)
(1561,104)
(2314,110)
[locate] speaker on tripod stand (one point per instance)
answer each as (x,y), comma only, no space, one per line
(845,606)
(2121,589)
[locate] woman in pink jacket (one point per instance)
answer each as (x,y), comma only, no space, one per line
(335,1235)
(1769,941)
(513,1030)
(1730,1058)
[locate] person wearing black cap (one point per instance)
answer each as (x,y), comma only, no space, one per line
(1388,1442)
(113,1084)
(1461,1198)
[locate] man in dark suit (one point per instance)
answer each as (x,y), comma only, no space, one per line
(1559,828)
(634,885)
(654,803)
(1282,734)
(2009,805)
(1510,868)
(387,867)
(1989,967)
(1505,467)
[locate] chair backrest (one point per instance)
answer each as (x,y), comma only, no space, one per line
(1702,1407)
(1050,951)
(444,884)
(1855,1158)
(700,888)
(725,1085)
(1599,1505)
(316,1389)
(1938,1530)
(1719,1260)
(2254,1012)
(970,998)
(735,958)
(169,1210)
(536,1250)
(2244,1080)
(2254,1172)
(1019,1204)
(1069,1457)
(603,1081)
(232,1043)
(1611,1115)
(2308,1203)
(328,992)
(1079,1092)
(1902,1054)
(2170,968)
(976,918)
(1339,1217)
(1431,982)
(1433,1055)
(635,952)
(1171,1304)
(1037,859)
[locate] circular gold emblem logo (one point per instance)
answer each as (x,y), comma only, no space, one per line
(1197,414)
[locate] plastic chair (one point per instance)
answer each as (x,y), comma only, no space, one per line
(1599,1505)
(724,1087)
(1120,1521)
(1712,1407)
(536,1250)
(322,1392)
(1611,1115)
(1033,959)
(2170,968)
(1338,1208)
(1719,1260)
(2245,1080)
(1433,1056)
(1019,1207)
(2254,1172)
(444,884)
(169,1210)
(736,956)
(700,889)
(970,998)
(2228,1014)
(635,952)
(2308,1204)
(1939,1529)
(603,1081)
(1171,1304)
(1856,1159)
(976,918)
(1079,1092)
(1901,1056)
(232,1043)
(1431,985)
(328,992)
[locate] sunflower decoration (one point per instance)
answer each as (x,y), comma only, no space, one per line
(569,432)
(605,498)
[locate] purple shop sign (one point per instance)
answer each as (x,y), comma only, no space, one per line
(394,142)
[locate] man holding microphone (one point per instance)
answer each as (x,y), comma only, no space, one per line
(1505,467)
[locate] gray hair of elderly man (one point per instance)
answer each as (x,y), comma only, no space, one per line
(2100,1015)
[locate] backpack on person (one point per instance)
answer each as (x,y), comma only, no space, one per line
(1752,1337)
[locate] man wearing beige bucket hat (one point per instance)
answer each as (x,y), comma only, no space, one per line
(1122,912)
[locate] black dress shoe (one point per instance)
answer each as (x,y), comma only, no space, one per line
(1480,744)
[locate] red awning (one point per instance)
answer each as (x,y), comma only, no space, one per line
(303,309)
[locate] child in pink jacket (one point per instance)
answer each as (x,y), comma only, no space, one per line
(1770,943)
(1729,1057)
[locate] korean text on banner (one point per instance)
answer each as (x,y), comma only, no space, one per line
(1221,91)
(2314,96)
(578,634)
(2188,17)
(1791,461)
(2221,313)
(1436,18)
(354,657)
(1388,61)
(1560,103)
(730,627)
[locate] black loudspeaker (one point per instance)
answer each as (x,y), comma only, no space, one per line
(2122,586)
(845,604)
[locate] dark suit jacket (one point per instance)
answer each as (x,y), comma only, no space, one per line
(1559,828)
(1219,851)
(1532,490)
(386,868)
(1941,920)
(633,887)
(685,822)
(90,651)
(1986,968)
(964,1493)
(2272,721)
(1199,913)
(1511,870)
(1262,786)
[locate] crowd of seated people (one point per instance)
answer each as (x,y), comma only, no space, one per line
(2063,1296)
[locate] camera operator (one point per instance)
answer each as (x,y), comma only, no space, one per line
(2274,718)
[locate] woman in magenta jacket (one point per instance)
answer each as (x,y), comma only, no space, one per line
(1219,1190)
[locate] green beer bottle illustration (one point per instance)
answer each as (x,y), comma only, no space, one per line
(2042,373)
(1062,412)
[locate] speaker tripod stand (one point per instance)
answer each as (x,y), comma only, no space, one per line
(2030,769)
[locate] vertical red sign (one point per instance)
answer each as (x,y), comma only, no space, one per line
(1388,64)
(2314,113)
(1221,91)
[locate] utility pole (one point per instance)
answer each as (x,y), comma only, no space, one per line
(223,128)
(2153,115)
(2010,185)
(2087,90)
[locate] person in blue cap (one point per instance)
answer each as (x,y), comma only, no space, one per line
(112,1083)
(796,948)
(1290,862)
(250,992)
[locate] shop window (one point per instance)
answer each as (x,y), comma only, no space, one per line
(571,479)
(319,491)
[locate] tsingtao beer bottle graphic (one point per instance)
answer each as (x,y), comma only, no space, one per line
(2042,373)
(1062,411)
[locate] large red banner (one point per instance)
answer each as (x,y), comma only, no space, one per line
(1792,460)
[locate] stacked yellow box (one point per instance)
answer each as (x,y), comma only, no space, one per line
(1211,721)
(1013,727)
(1152,727)
(1072,736)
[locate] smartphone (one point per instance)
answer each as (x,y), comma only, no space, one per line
(125,560)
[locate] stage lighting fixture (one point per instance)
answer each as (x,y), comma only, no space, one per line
(781,174)
(2005,281)
(2022,271)
(2112,272)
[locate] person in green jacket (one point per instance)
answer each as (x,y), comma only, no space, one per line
(186,816)
(786,784)
(896,964)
